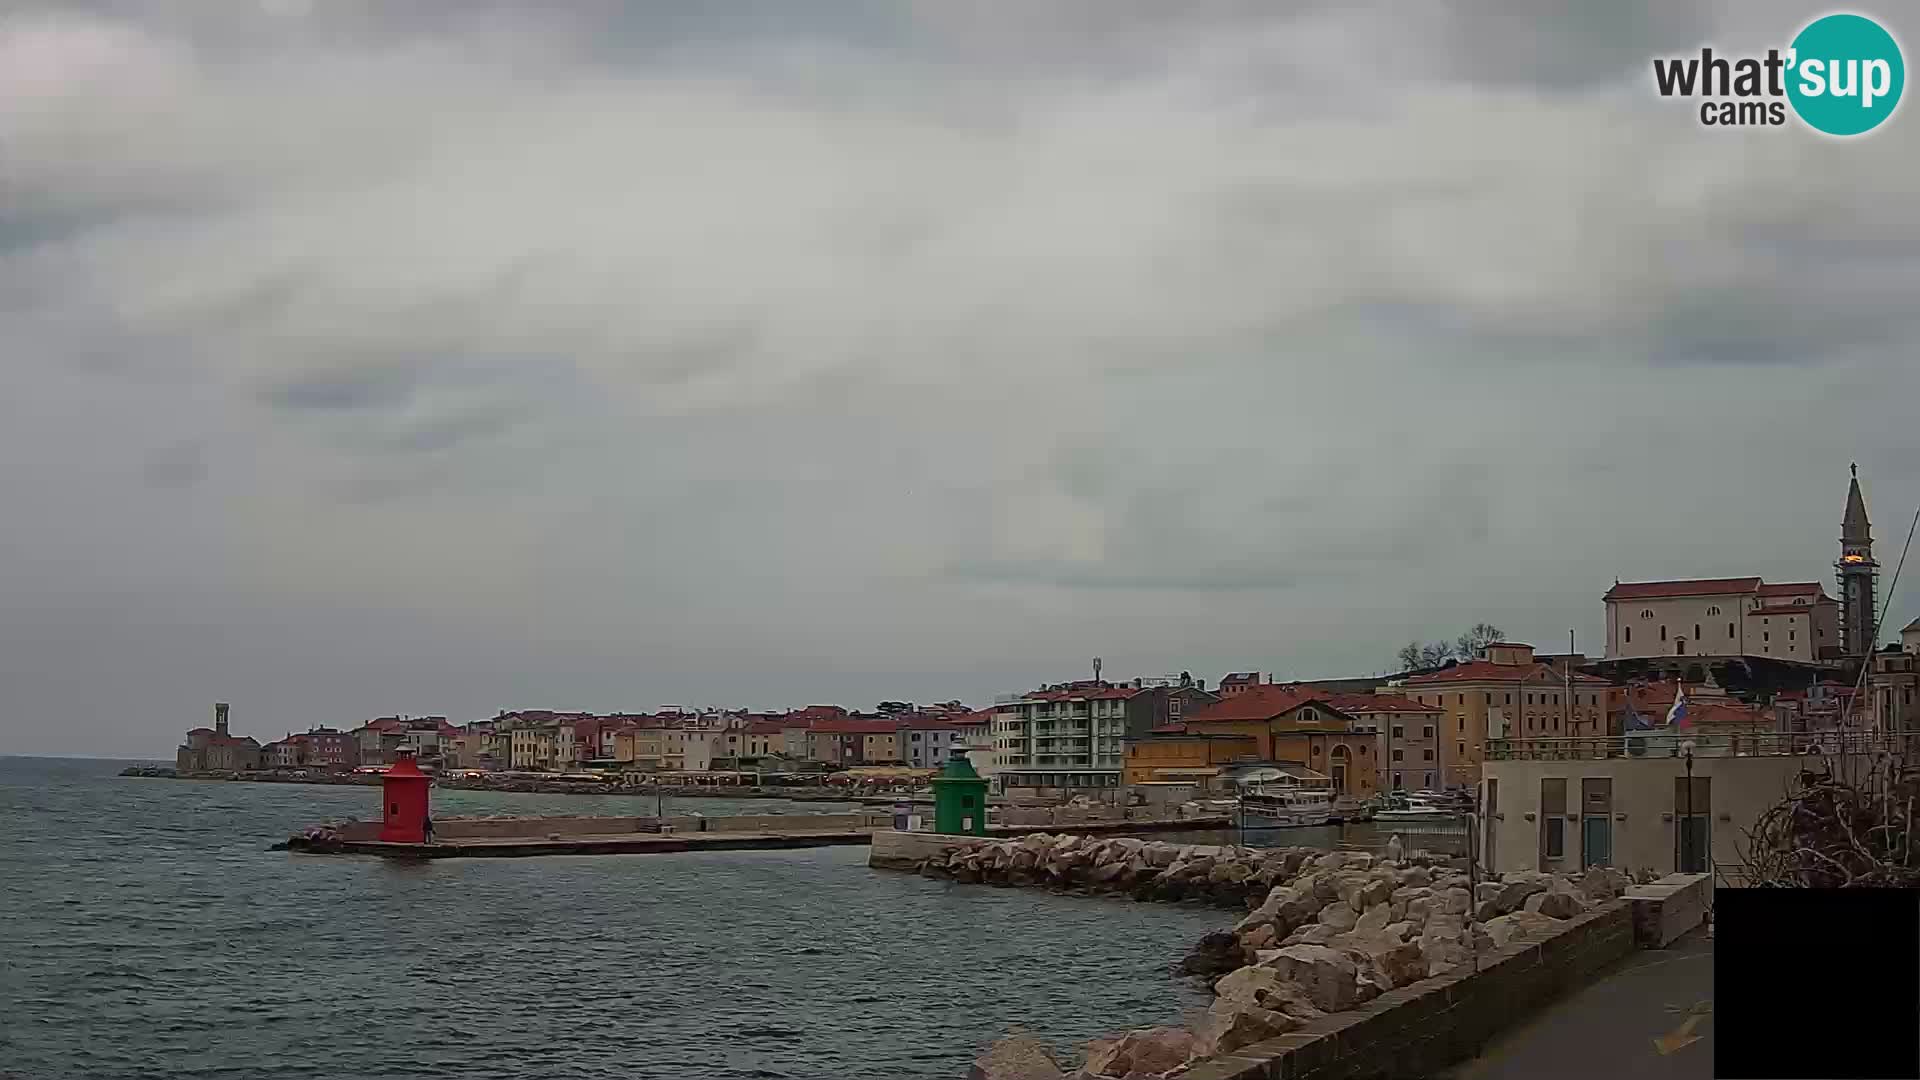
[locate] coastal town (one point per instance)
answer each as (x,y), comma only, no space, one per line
(1737,675)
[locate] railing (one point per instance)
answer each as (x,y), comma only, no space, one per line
(1662,744)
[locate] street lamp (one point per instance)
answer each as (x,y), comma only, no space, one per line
(1686,819)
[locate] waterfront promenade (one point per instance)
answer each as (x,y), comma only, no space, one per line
(1651,1017)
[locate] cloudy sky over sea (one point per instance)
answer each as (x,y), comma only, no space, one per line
(360,358)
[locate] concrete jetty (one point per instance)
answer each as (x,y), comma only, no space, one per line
(521,837)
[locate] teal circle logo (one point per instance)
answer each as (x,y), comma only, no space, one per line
(1846,74)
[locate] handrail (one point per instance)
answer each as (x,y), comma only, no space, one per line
(1705,744)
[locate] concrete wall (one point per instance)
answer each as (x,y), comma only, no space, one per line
(1422,1029)
(1643,815)
(454,828)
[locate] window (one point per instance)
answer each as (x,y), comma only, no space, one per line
(1629,635)
(1489,698)
(1646,613)
(1509,700)
(1529,699)
(1398,754)
(1460,752)
(1463,699)
(1428,753)
(1800,601)
(1729,630)
(1399,732)
(1553,818)
(1790,635)
(1764,636)
(1556,699)
(1427,732)
(1715,610)
(1663,631)
(1696,631)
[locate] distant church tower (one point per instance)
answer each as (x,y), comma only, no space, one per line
(1858,572)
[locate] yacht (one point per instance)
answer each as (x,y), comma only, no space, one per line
(1280,806)
(1420,806)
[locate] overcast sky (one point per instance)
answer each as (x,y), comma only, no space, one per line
(361,358)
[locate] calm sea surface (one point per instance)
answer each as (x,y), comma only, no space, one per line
(145,931)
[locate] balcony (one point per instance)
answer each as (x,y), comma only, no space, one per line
(1706,744)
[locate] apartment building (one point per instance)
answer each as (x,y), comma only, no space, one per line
(1507,695)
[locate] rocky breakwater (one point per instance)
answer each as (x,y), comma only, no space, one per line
(1326,934)
(1231,877)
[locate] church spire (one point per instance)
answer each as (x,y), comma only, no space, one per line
(1854,528)
(1858,611)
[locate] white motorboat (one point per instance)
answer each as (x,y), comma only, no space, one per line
(1417,807)
(1282,806)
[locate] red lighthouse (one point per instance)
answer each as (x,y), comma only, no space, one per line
(404,791)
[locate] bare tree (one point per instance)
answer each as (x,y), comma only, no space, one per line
(1478,637)
(1416,655)
(1410,656)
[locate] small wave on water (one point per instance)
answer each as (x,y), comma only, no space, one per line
(150,935)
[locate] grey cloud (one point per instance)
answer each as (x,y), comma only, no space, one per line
(181,465)
(342,389)
(733,350)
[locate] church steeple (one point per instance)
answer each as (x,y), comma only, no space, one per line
(1858,574)
(1855,528)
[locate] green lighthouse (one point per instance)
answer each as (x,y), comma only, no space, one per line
(960,799)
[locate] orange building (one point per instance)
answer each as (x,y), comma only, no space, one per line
(1171,754)
(1297,725)
(1508,695)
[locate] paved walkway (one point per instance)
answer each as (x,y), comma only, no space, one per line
(1651,1018)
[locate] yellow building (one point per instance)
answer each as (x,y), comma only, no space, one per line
(880,746)
(533,748)
(1508,695)
(1292,724)
(1198,758)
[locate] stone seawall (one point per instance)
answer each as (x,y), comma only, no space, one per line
(1344,964)
(1427,1026)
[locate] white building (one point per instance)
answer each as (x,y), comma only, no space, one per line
(1625,801)
(1062,740)
(1722,617)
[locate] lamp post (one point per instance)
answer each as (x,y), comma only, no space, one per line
(1686,752)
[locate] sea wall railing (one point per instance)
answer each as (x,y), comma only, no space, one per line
(1702,744)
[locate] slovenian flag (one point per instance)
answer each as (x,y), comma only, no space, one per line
(1677,716)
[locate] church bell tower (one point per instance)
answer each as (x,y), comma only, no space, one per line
(1858,574)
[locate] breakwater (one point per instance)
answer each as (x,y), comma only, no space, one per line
(520,837)
(1327,940)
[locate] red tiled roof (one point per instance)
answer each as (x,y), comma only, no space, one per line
(854,727)
(1175,728)
(765,727)
(1708,712)
(1378,703)
(1648,590)
(1791,588)
(1488,671)
(975,718)
(927,723)
(1257,703)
